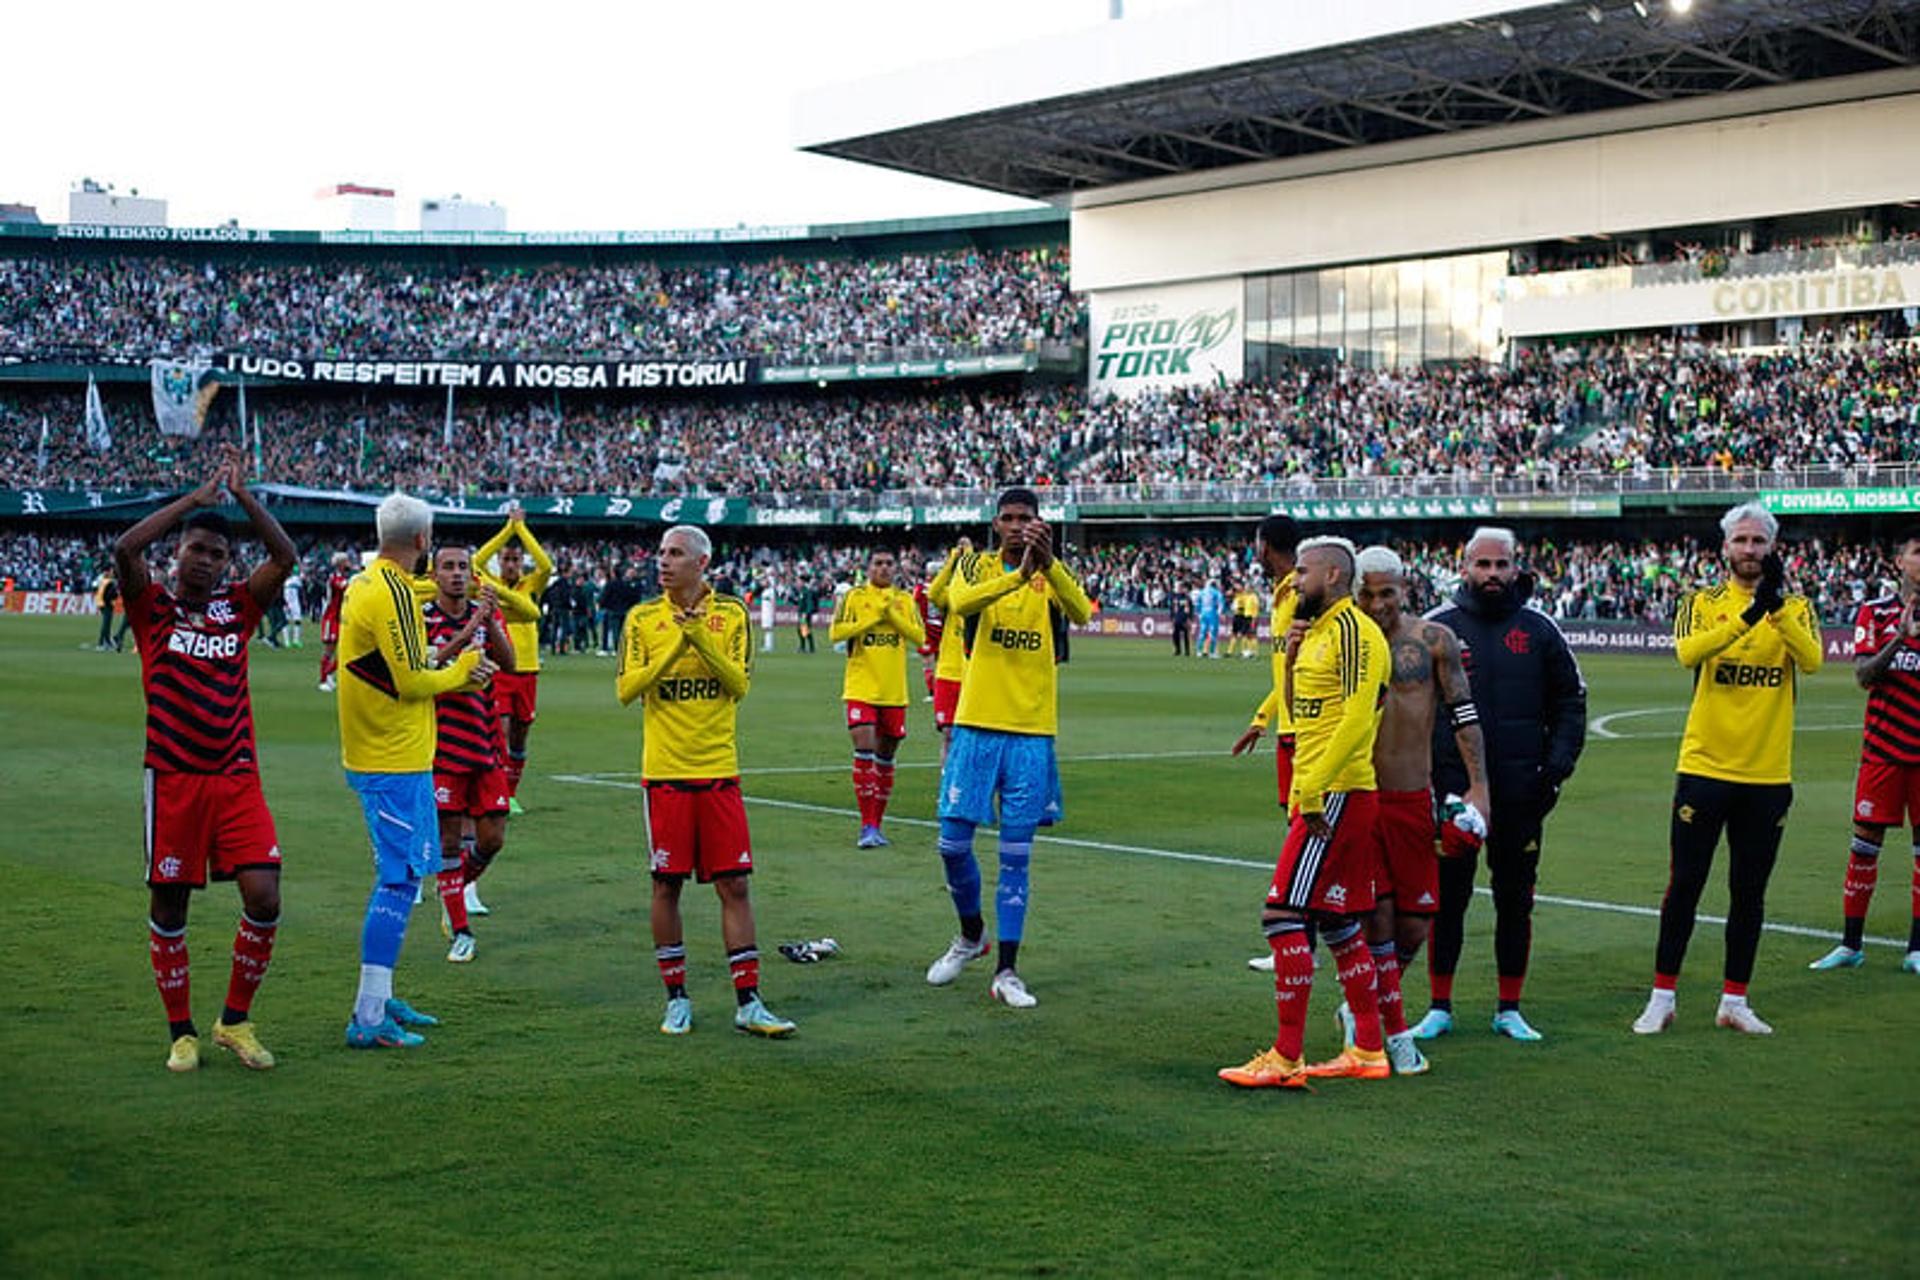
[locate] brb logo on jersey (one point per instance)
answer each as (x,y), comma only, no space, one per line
(689,688)
(1016,638)
(884,639)
(1743,675)
(198,644)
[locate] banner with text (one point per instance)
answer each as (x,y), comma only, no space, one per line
(1840,501)
(497,375)
(952,367)
(1606,301)
(1179,335)
(1386,508)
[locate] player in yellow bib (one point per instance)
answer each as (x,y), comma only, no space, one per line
(950,662)
(1015,605)
(687,656)
(1747,642)
(878,623)
(516,692)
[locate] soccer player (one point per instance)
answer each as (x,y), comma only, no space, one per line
(950,664)
(806,604)
(205,811)
(1744,640)
(1532,705)
(877,622)
(1246,608)
(290,598)
(1015,606)
(1180,615)
(1209,605)
(516,697)
(1274,544)
(1426,674)
(337,579)
(687,654)
(388,741)
(1336,684)
(1886,662)
(469,774)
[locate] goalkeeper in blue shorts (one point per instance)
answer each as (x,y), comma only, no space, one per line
(1015,604)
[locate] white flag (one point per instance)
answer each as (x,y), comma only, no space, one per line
(446,432)
(182,393)
(40,464)
(99,434)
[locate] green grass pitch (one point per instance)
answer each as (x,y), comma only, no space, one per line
(548,1127)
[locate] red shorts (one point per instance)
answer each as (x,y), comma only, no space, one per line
(1887,795)
(1335,875)
(330,628)
(946,701)
(892,721)
(201,822)
(1409,856)
(698,828)
(477,795)
(515,693)
(1283,767)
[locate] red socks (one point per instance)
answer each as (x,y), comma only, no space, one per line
(252,950)
(744,965)
(672,959)
(168,952)
(1354,967)
(883,788)
(1440,985)
(453,897)
(866,787)
(1511,987)
(516,765)
(1292,984)
(1386,981)
(1861,875)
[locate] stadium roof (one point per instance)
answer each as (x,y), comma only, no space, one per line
(1239,82)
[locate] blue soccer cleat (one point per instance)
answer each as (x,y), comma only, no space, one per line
(1510,1024)
(1841,957)
(1436,1024)
(869,838)
(880,840)
(679,1017)
(388,1035)
(407,1016)
(1912,963)
(756,1019)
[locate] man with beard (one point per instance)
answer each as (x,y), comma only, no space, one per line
(1744,640)
(1336,684)
(1532,707)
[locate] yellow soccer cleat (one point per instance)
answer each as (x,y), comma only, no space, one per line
(1268,1069)
(241,1040)
(185,1054)
(1354,1063)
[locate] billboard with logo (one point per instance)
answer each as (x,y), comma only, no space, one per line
(1176,335)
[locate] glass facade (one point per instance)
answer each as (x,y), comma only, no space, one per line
(1379,316)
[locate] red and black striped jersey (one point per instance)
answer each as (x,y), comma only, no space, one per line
(931,620)
(1892,731)
(193,671)
(469,731)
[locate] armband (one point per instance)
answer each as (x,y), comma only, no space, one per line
(1463,713)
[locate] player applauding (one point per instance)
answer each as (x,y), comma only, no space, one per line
(878,623)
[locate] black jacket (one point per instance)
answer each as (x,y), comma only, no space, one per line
(1529,693)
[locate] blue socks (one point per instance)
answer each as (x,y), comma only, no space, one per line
(386,928)
(1010,896)
(962,868)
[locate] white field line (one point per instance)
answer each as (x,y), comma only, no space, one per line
(619,782)
(1602,728)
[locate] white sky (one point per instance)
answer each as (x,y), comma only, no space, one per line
(571,114)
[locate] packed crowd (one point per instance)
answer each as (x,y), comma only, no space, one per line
(922,304)
(1614,411)
(1585,580)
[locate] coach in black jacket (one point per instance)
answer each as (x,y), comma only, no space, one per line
(1533,711)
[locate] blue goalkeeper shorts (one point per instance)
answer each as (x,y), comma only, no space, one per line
(403,823)
(1019,768)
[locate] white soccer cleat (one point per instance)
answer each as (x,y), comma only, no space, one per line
(1742,1018)
(475,907)
(1655,1018)
(1261,964)
(1405,1055)
(958,955)
(461,952)
(1010,991)
(1912,963)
